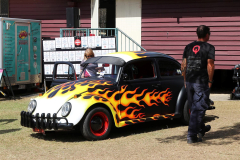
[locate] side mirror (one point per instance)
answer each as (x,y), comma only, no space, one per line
(125,76)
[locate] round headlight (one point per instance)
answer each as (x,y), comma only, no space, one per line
(32,106)
(66,109)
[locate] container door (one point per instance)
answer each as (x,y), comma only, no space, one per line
(22,52)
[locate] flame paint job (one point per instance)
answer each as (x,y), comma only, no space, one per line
(104,92)
(74,87)
(126,105)
(114,98)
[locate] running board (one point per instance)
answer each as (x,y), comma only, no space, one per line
(154,118)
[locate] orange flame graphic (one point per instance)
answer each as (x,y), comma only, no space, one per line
(135,113)
(164,97)
(130,114)
(126,101)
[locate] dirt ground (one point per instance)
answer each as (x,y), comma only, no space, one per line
(152,140)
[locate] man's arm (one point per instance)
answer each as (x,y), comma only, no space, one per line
(210,69)
(183,69)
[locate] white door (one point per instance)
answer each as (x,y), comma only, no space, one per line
(128,19)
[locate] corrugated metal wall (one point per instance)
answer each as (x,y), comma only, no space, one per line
(168,26)
(51,12)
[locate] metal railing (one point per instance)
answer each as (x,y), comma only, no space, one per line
(123,41)
(71,32)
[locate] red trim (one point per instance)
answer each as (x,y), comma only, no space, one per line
(38,130)
(105,124)
(76,75)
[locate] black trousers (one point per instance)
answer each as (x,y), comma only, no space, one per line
(198,100)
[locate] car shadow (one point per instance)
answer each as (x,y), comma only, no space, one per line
(143,128)
(151,126)
(60,136)
(75,136)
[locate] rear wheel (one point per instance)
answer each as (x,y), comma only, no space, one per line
(186,113)
(97,124)
(232,96)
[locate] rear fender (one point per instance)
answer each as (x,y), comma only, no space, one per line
(182,97)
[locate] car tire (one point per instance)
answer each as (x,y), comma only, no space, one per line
(97,124)
(232,96)
(186,113)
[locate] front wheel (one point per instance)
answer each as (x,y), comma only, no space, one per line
(186,113)
(97,124)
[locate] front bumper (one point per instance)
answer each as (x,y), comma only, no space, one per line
(44,122)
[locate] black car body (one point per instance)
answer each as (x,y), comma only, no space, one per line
(127,88)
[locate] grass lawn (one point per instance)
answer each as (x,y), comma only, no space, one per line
(152,140)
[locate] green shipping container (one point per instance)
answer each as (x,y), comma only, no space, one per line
(20,51)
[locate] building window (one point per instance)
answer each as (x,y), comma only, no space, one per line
(4,6)
(102,17)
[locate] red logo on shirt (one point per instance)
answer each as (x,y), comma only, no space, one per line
(196,49)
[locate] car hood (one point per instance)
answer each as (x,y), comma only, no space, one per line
(55,97)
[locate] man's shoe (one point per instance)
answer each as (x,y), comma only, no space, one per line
(193,140)
(206,129)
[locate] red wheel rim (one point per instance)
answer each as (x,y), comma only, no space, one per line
(104,124)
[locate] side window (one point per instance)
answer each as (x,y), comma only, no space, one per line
(169,68)
(64,71)
(139,70)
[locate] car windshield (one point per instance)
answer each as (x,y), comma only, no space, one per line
(100,70)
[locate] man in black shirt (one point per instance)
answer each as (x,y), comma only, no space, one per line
(198,69)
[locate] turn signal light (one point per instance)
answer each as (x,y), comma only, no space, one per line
(40,94)
(75,96)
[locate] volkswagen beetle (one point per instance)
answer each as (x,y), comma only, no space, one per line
(117,89)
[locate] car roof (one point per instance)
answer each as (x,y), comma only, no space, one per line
(120,58)
(128,56)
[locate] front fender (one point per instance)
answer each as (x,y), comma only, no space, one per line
(82,104)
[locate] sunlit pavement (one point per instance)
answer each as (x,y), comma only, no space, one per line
(220,97)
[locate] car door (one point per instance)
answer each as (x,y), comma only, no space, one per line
(63,72)
(171,80)
(140,90)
